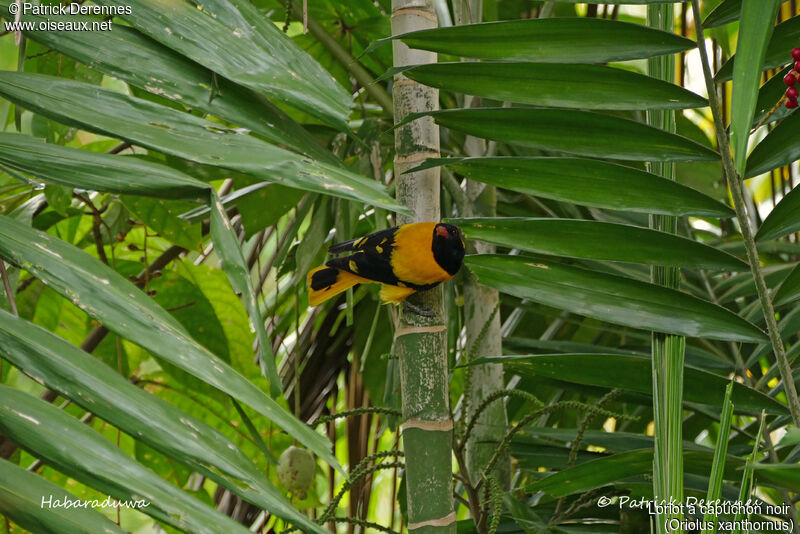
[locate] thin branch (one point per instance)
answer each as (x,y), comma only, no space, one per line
(362,76)
(459,196)
(120,147)
(7,286)
(736,186)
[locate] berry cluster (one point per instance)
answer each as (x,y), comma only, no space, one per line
(791,79)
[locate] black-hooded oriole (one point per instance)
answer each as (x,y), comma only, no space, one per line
(404,259)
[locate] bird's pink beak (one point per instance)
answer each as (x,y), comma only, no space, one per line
(441,231)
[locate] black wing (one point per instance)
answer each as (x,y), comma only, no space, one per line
(372,258)
(378,239)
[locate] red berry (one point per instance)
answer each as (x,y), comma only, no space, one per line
(797,65)
(791,103)
(790,79)
(796,53)
(792,93)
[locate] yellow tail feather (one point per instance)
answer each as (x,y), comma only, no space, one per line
(343,281)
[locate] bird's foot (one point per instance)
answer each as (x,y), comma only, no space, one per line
(419,310)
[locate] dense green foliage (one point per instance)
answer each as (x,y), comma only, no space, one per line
(166,186)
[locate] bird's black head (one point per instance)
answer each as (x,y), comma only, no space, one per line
(448,247)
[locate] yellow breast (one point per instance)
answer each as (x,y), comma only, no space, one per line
(412,257)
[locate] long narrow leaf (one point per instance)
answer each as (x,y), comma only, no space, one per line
(603,471)
(76,375)
(118,174)
(784,38)
(633,373)
(611,298)
(575,238)
(720,453)
(588,182)
(790,288)
(96,171)
(78,451)
(556,85)
(726,12)
(124,309)
(131,56)
(243,45)
(234,265)
(746,487)
(756,26)
(574,132)
(183,135)
(784,219)
(23,498)
(554,40)
(780,147)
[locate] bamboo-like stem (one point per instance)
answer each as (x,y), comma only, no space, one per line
(480,303)
(421,342)
(667,349)
(482,319)
(736,186)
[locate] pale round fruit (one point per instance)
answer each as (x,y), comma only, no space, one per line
(296,470)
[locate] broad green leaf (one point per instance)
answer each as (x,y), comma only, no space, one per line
(162,216)
(790,289)
(575,132)
(262,205)
(783,219)
(588,182)
(556,85)
(76,375)
(59,197)
(611,298)
(784,38)
(128,55)
(756,26)
(124,309)
(188,304)
(96,171)
(780,147)
(553,40)
(181,134)
(243,45)
(726,12)
(576,238)
(234,265)
(76,450)
(635,373)
(21,497)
